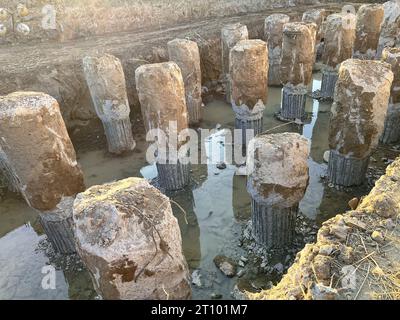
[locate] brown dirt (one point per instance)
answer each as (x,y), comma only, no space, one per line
(56,68)
(366,240)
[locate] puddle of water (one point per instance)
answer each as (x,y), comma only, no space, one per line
(216,205)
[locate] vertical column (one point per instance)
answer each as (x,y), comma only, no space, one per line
(316,16)
(358,115)
(130,242)
(36,152)
(249,84)
(186,55)
(390,31)
(162,99)
(338,47)
(106,82)
(57,225)
(368,29)
(296,68)
(273,34)
(391,132)
(230,35)
(278,178)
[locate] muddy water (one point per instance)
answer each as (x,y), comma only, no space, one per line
(216,208)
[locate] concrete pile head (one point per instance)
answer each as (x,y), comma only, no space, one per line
(316,16)
(390,33)
(106,81)
(230,35)
(130,241)
(249,76)
(278,169)
(339,39)
(162,96)
(186,55)
(368,29)
(273,35)
(36,151)
(360,105)
(297,53)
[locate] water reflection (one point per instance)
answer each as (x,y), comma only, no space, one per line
(184,208)
(21,264)
(241,201)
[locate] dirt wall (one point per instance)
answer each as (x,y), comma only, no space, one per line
(76,19)
(56,68)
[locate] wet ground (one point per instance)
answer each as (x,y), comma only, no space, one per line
(217,210)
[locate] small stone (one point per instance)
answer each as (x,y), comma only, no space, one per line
(348,278)
(226,265)
(377,237)
(237,294)
(377,271)
(326,156)
(388,224)
(221,165)
(196,278)
(322,267)
(339,230)
(216,296)
(326,250)
(354,222)
(241,273)
(278,267)
(322,292)
(353,203)
(346,254)
(241,263)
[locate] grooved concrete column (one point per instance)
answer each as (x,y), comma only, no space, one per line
(358,116)
(296,67)
(273,34)
(338,47)
(391,132)
(187,56)
(231,34)
(162,99)
(390,31)
(277,180)
(130,241)
(106,82)
(57,225)
(368,29)
(249,84)
(36,152)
